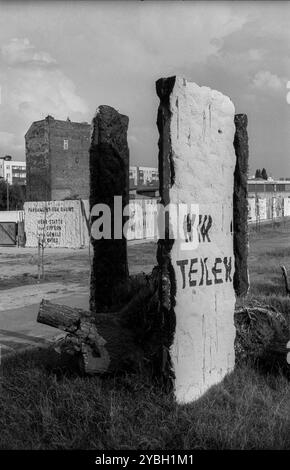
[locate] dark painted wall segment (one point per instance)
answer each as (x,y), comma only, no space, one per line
(167,287)
(164,87)
(241,240)
(109,177)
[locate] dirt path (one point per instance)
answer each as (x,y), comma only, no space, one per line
(67,274)
(64,268)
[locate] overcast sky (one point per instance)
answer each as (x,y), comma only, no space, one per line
(67,58)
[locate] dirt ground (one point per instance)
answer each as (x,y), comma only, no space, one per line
(68,270)
(63,268)
(67,274)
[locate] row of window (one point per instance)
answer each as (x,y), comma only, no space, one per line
(268,188)
(15,167)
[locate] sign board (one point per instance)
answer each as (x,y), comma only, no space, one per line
(57,223)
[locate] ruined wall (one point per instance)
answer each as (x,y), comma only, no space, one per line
(240,206)
(196,169)
(69,167)
(38,162)
(109,177)
(54,172)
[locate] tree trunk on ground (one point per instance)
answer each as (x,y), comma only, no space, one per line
(130,339)
(134,338)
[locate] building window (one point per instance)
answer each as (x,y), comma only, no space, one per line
(65,144)
(280,187)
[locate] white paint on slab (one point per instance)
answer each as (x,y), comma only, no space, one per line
(286,205)
(277,206)
(202,134)
(251,209)
(262,203)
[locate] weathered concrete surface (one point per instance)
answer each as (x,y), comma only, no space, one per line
(241,239)
(196,166)
(109,177)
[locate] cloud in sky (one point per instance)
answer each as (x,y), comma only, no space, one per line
(66,58)
(267,80)
(10,143)
(33,86)
(20,51)
(7,138)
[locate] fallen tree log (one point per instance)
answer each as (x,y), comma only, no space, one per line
(134,339)
(102,342)
(131,338)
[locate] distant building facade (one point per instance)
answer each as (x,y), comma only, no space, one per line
(148,175)
(133,176)
(268,199)
(12,171)
(143,176)
(57,159)
(270,186)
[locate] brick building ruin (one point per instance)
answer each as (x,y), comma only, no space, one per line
(57,159)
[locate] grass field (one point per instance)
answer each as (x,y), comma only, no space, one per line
(45,408)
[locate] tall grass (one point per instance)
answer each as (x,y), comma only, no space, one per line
(46,406)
